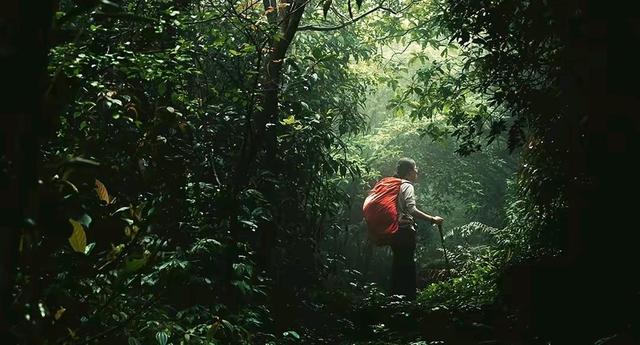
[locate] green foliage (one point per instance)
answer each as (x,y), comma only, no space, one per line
(200,191)
(179,245)
(476,259)
(475,287)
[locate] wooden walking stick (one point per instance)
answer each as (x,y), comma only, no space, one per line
(444,249)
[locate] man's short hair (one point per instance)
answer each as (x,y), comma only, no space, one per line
(404,166)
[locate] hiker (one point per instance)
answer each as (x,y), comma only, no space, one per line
(389,212)
(403,243)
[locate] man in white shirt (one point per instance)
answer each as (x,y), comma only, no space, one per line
(403,245)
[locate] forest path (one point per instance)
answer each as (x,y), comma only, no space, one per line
(411,323)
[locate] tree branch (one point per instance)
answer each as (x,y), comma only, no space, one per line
(332,28)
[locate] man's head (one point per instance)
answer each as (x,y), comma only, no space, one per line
(407,169)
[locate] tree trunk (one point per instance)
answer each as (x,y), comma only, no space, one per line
(272,73)
(23,58)
(259,138)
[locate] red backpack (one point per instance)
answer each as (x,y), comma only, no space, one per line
(381,211)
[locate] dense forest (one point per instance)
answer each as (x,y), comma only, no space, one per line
(194,172)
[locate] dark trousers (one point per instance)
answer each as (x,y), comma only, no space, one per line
(403,268)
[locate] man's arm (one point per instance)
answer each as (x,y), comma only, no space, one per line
(410,201)
(421,215)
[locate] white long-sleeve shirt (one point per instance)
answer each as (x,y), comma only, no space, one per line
(406,201)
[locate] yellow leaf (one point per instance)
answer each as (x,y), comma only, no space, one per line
(78,239)
(59,313)
(102,192)
(72,333)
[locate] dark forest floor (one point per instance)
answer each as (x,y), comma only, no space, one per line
(396,321)
(412,323)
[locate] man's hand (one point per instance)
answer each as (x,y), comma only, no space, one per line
(437,220)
